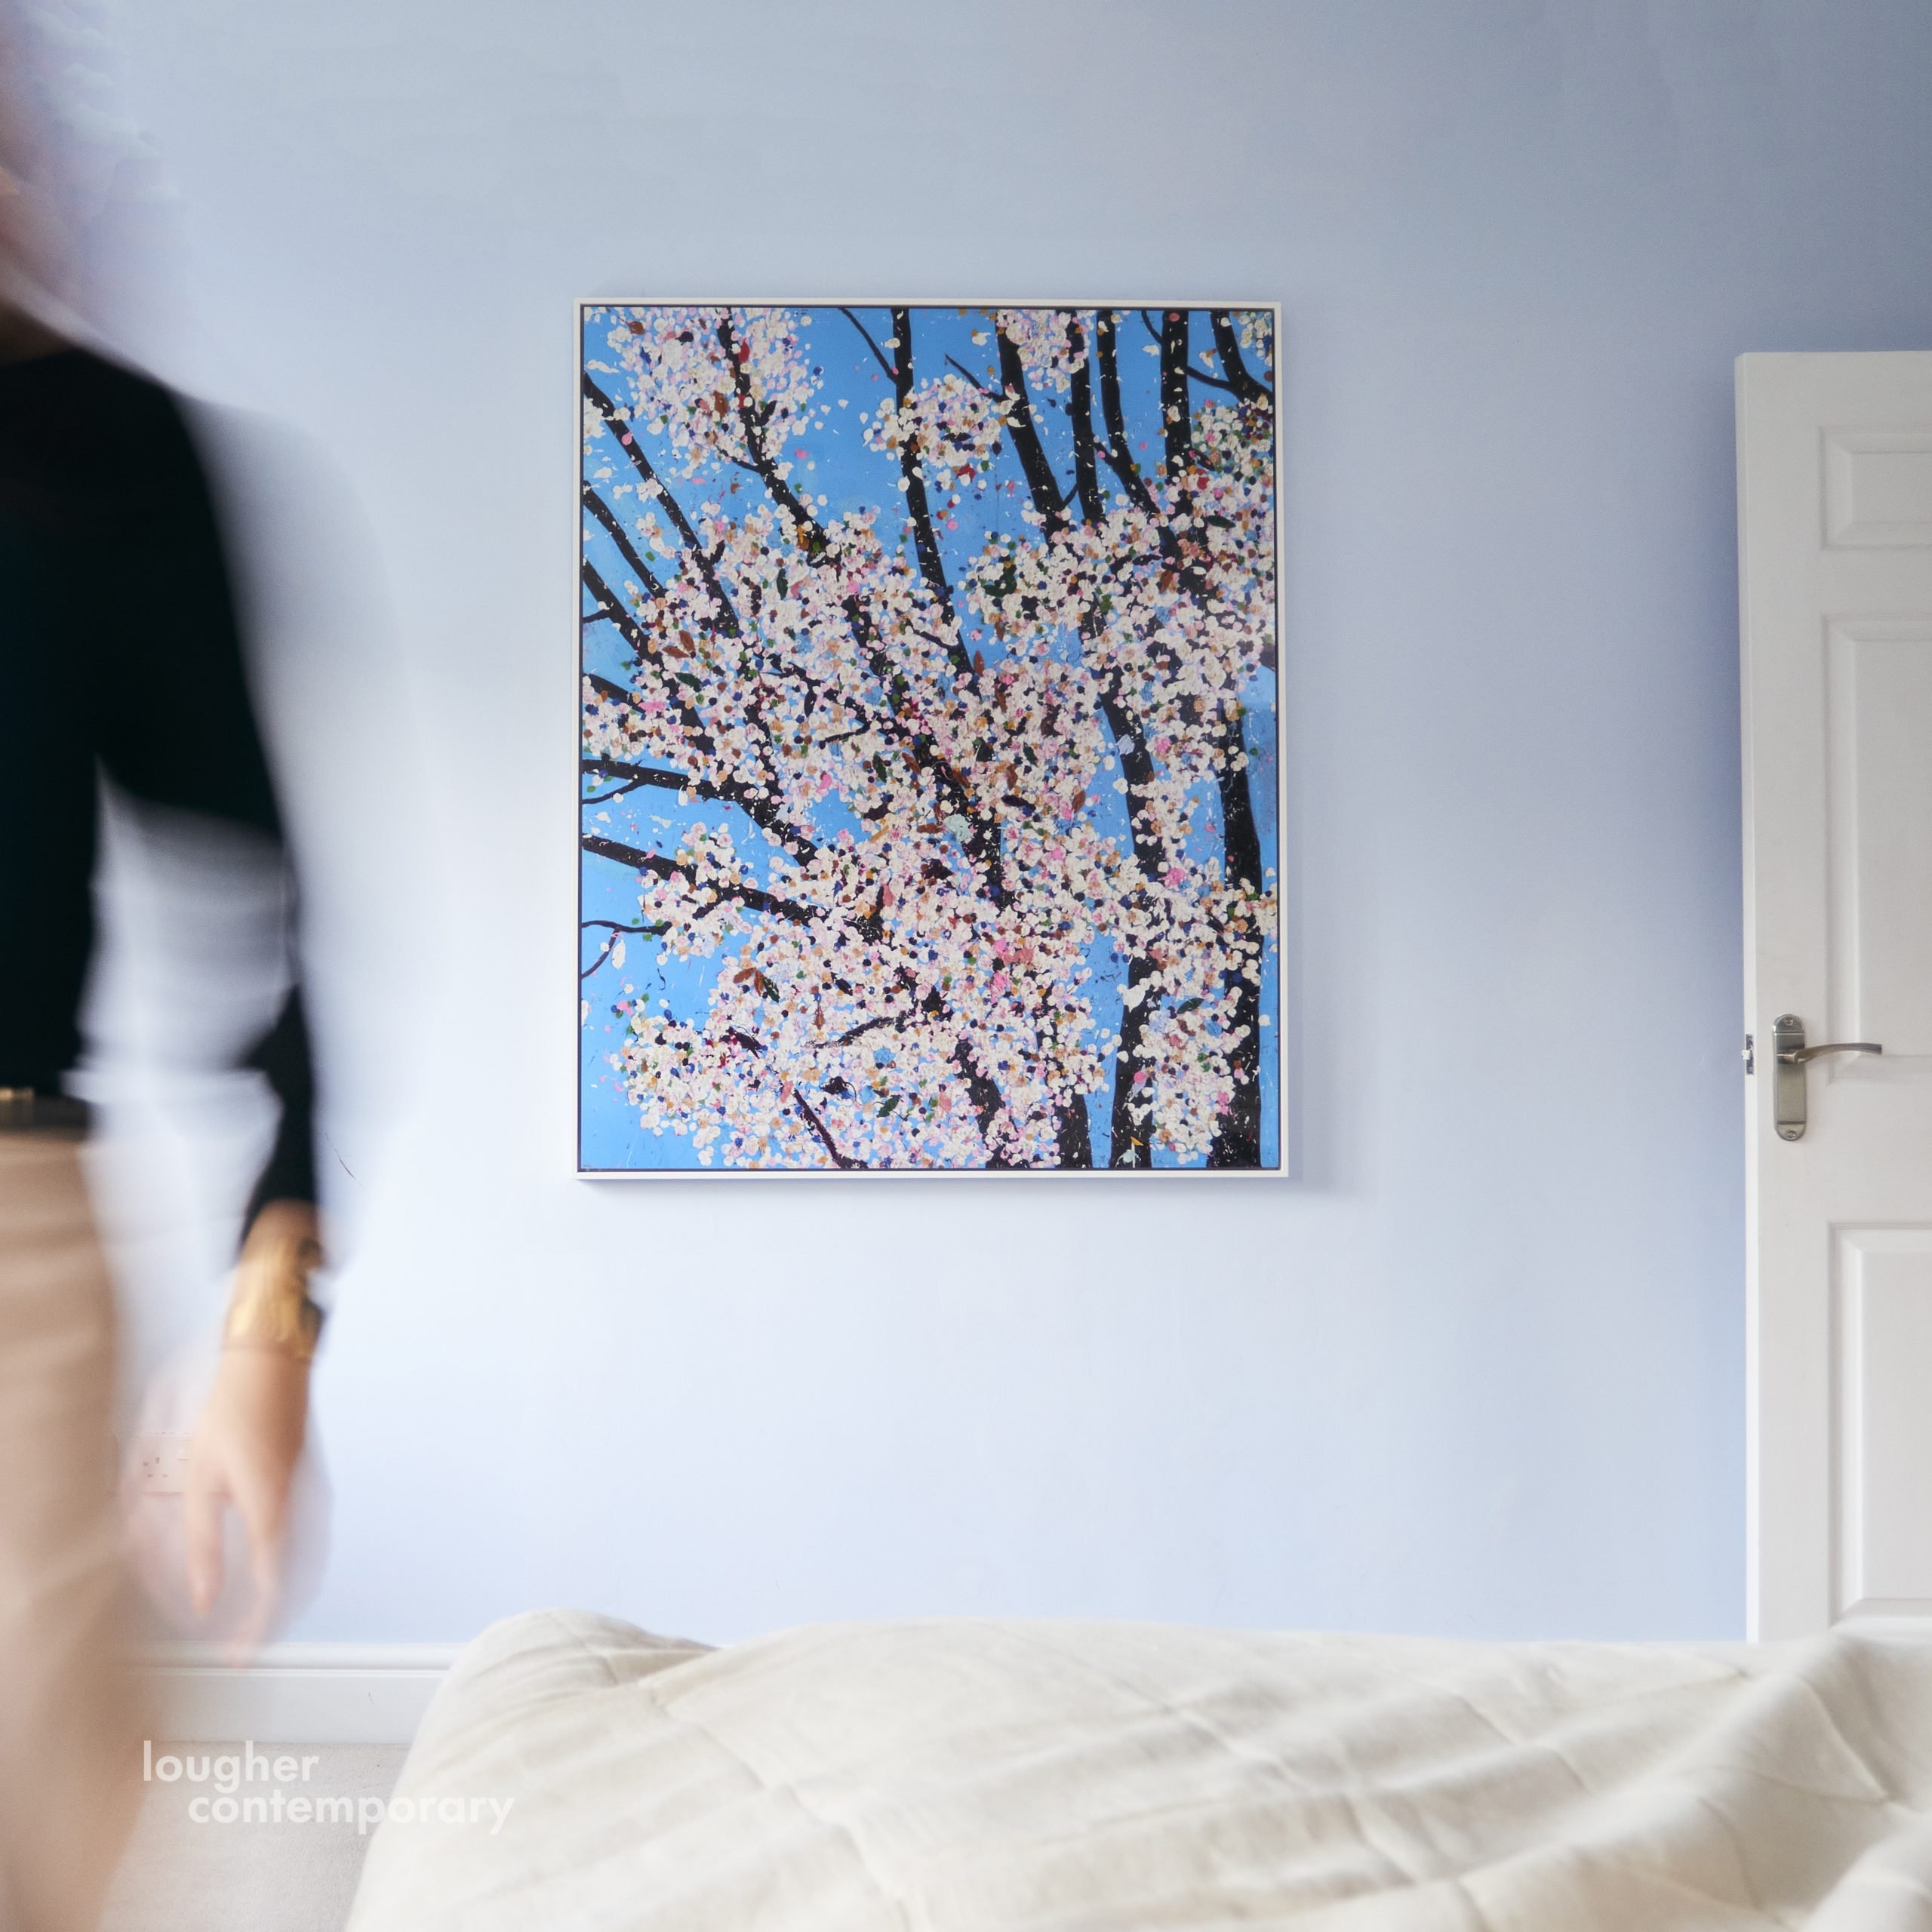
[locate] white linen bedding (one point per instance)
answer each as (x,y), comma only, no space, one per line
(955,1775)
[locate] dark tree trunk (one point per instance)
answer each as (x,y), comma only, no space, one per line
(1177,427)
(1237,1141)
(1247,388)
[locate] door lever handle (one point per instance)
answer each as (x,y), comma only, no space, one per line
(1790,1054)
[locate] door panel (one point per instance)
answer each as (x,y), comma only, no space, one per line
(1834,472)
(1879,806)
(1885,1420)
(1877,489)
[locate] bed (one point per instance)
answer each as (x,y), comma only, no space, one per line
(996,1775)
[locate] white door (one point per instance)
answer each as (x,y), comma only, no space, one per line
(1834,468)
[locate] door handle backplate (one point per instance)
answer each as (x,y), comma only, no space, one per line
(1789,1057)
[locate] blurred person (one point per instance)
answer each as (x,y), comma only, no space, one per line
(120,655)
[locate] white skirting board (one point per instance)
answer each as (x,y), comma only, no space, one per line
(294,1693)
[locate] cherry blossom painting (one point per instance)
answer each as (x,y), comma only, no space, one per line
(929,744)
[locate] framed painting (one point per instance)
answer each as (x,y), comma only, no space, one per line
(929,746)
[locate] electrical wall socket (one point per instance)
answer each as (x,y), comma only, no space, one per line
(161,1464)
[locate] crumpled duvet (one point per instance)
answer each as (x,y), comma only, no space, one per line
(962,1776)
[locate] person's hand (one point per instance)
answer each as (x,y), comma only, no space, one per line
(246,1447)
(243,1456)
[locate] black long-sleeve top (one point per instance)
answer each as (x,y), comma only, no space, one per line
(119,650)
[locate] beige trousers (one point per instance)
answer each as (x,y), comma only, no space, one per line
(70,1727)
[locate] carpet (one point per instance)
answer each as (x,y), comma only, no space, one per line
(191,1867)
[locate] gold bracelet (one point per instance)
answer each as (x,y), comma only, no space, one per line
(271,1307)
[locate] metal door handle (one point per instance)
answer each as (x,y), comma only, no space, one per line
(1790,1054)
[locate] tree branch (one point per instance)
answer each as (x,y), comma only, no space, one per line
(749,422)
(955,362)
(1136,766)
(1086,475)
(1120,459)
(1121,462)
(1237,1141)
(986,1098)
(879,353)
(818,1127)
(634,776)
(1227,346)
(646,653)
(609,609)
(761,808)
(866,1026)
(604,951)
(984,844)
(1074,1137)
(1177,428)
(1133,1030)
(659,867)
(799,1101)
(1048,498)
(620,430)
(605,688)
(1200,375)
(600,510)
(925,539)
(1076,1143)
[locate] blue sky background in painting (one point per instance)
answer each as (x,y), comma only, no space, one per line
(838,466)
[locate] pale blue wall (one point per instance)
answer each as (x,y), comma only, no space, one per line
(1479,1369)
